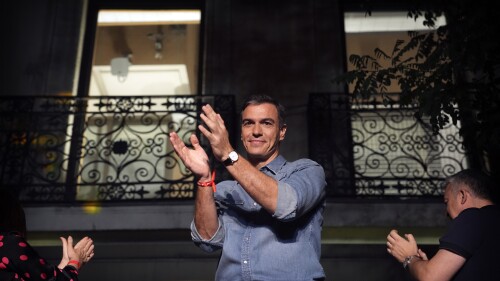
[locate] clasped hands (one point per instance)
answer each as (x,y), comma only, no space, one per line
(196,159)
(403,247)
(82,252)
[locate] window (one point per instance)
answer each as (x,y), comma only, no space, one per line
(394,153)
(146,52)
(140,58)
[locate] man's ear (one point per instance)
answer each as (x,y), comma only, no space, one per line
(282,132)
(464,196)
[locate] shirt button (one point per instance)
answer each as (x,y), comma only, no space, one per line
(245,262)
(255,204)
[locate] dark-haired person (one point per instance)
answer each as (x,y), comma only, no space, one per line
(20,261)
(470,247)
(268,220)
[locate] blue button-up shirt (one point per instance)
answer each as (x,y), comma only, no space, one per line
(282,246)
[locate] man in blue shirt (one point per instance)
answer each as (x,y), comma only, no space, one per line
(268,220)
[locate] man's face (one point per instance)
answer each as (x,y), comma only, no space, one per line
(452,201)
(261,133)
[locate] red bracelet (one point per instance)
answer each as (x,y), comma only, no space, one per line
(209,183)
(77,263)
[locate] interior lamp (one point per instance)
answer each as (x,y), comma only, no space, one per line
(119,67)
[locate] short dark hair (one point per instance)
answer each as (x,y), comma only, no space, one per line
(12,216)
(260,99)
(479,183)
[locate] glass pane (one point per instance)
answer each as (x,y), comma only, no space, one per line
(380,30)
(146,53)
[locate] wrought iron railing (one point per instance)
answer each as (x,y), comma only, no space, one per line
(62,149)
(370,149)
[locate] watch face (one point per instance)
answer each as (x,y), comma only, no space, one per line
(233,156)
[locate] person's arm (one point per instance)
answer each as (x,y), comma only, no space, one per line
(25,261)
(261,187)
(196,160)
(205,213)
(440,268)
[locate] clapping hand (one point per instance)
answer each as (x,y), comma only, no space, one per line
(196,159)
(401,247)
(82,252)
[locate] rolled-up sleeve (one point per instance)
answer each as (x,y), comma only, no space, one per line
(208,245)
(301,189)
(287,202)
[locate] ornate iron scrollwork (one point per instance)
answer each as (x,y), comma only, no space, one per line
(117,147)
(392,153)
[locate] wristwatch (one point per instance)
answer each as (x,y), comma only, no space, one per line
(233,157)
(407,261)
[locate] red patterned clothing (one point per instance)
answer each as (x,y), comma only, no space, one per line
(19,261)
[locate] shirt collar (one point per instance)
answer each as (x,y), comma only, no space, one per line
(275,165)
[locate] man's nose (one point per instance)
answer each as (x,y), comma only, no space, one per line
(257,130)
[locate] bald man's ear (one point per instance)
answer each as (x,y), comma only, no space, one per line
(465,195)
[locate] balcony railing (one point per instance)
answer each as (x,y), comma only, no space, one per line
(67,149)
(369,149)
(62,149)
